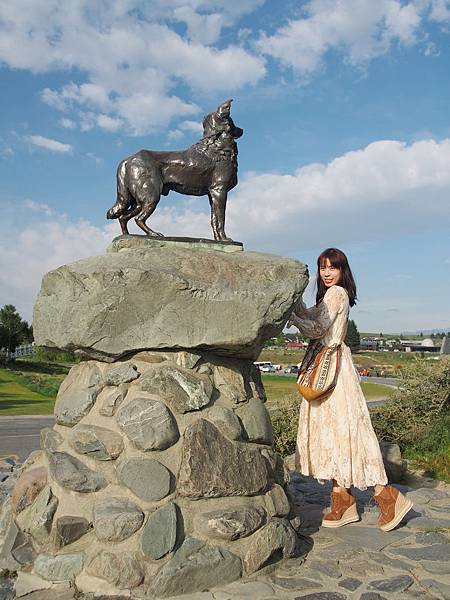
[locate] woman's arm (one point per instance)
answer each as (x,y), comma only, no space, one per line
(325,314)
(302,311)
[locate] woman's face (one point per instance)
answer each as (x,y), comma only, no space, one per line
(330,275)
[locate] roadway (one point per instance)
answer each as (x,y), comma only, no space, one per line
(20,435)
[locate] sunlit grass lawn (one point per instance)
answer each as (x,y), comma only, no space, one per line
(277,386)
(17,399)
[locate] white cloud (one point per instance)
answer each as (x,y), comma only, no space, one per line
(67,123)
(194,126)
(39,207)
(129,57)
(360,29)
(440,10)
(384,184)
(49,144)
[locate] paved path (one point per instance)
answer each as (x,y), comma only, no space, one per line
(356,562)
(20,435)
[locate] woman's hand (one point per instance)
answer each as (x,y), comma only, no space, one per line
(291,320)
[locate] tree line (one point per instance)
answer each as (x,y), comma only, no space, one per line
(14,331)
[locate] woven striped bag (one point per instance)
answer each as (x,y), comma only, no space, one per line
(319,370)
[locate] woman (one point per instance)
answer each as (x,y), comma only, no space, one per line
(336,439)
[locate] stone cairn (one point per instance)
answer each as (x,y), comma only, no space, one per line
(159,477)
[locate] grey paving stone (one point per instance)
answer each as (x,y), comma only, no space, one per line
(6,588)
(322,596)
(437,552)
(388,561)
(437,567)
(427,522)
(351,584)
(295,583)
(442,590)
(426,538)
(246,590)
(362,568)
(328,568)
(372,596)
(369,537)
(400,583)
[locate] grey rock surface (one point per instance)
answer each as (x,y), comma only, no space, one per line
(160,532)
(58,568)
(109,399)
(39,519)
(8,535)
(196,566)
(126,301)
(28,486)
(77,393)
(116,519)
(230,524)
(323,596)
(148,423)
(434,552)
(97,442)
(70,529)
(73,474)
(123,570)
(226,422)
(121,373)
(213,466)
(399,583)
(277,503)
(276,536)
(22,550)
(50,439)
(256,421)
(350,583)
(145,477)
(182,389)
(394,464)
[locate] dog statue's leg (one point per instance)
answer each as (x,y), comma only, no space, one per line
(218,202)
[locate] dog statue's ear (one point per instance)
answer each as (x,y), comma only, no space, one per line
(225,104)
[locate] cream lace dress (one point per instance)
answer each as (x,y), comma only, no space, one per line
(335,438)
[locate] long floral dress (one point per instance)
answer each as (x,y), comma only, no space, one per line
(335,438)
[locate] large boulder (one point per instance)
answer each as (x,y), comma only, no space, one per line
(165,297)
(214,466)
(196,566)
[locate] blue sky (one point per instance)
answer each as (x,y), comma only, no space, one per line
(344,106)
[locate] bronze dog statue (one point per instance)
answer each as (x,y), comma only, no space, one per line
(208,167)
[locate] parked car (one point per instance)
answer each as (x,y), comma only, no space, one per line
(291,369)
(267,369)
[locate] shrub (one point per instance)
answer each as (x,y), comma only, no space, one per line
(417,414)
(54,355)
(285,423)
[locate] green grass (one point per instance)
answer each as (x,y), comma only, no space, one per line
(277,386)
(29,388)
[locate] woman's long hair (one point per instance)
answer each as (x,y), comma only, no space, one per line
(337,259)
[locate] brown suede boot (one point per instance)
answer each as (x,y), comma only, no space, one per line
(393,507)
(343,510)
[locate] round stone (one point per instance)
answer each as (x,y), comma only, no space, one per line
(160,532)
(97,442)
(116,519)
(148,423)
(147,478)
